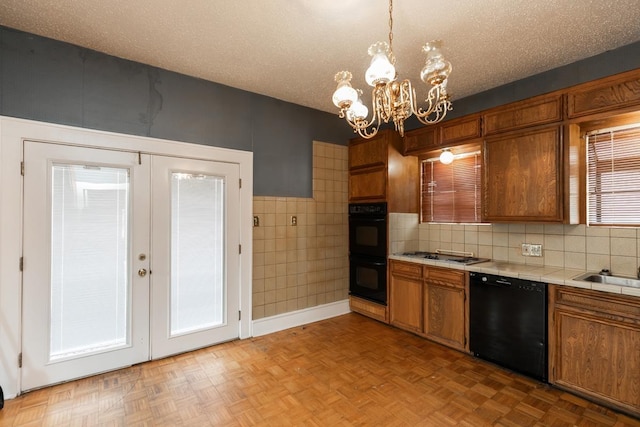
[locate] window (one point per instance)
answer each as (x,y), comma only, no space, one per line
(613,178)
(451,193)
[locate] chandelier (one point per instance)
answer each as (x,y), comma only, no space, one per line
(392,99)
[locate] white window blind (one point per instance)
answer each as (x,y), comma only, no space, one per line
(613,179)
(451,193)
(90,272)
(197,252)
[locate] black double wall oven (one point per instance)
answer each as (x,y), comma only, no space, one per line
(368,251)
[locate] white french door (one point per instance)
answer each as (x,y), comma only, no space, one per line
(127,257)
(193,255)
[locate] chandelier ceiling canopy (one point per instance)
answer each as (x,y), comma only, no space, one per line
(393,99)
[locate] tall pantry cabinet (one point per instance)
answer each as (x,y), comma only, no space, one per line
(378,172)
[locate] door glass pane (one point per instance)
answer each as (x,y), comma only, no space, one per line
(89,259)
(197,252)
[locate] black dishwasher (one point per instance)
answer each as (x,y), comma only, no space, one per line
(508,323)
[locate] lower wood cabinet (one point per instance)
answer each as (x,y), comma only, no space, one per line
(594,345)
(405,296)
(429,301)
(445,313)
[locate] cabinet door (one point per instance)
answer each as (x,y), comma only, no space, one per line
(421,140)
(598,357)
(518,115)
(459,130)
(444,314)
(523,178)
(368,185)
(366,153)
(405,305)
(612,95)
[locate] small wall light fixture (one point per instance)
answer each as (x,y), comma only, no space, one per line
(446,157)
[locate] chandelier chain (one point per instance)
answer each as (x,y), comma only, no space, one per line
(392,57)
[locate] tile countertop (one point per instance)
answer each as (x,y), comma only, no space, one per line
(551,275)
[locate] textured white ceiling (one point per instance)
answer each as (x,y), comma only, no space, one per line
(291,49)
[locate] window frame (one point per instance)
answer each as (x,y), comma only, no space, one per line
(629,133)
(426,215)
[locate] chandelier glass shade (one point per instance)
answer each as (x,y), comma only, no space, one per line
(394,100)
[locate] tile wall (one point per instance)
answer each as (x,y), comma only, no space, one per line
(563,246)
(303,265)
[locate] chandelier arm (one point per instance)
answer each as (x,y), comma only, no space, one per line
(369,129)
(436,111)
(363,127)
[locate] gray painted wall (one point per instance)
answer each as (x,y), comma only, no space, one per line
(50,81)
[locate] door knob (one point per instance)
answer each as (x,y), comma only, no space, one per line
(142,272)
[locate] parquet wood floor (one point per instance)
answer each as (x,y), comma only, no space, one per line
(345,371)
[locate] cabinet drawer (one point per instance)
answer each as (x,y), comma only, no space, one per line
(446,277)
(369,309)
(406,269)
(613,306)
(534,112)
(610,94)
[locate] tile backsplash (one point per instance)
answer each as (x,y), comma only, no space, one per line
(303,265)
(563,246)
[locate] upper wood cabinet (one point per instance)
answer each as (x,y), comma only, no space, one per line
(518,115)
(619,94)
(450,133)
(456,131)
(523,176)
(378,172)
(594,345)
(421,140)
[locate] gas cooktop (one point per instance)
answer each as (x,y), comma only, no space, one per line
(460,259)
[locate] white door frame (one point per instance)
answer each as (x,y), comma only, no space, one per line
(12,134)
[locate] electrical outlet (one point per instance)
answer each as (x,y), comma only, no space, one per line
(535,250)
(526,249)
(294,220)
(256,221)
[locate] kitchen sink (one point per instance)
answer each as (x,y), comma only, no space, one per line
(609,279)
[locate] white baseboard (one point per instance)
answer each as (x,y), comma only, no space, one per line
(284,321)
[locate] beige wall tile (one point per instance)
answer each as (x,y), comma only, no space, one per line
(305,265)
(622,246)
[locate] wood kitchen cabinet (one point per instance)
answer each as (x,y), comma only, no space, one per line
(430,301)
(594,345)
(599,99)
(540,110)
(445,311)
(446,135)
(523,176)
(378,172)
(405,299)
